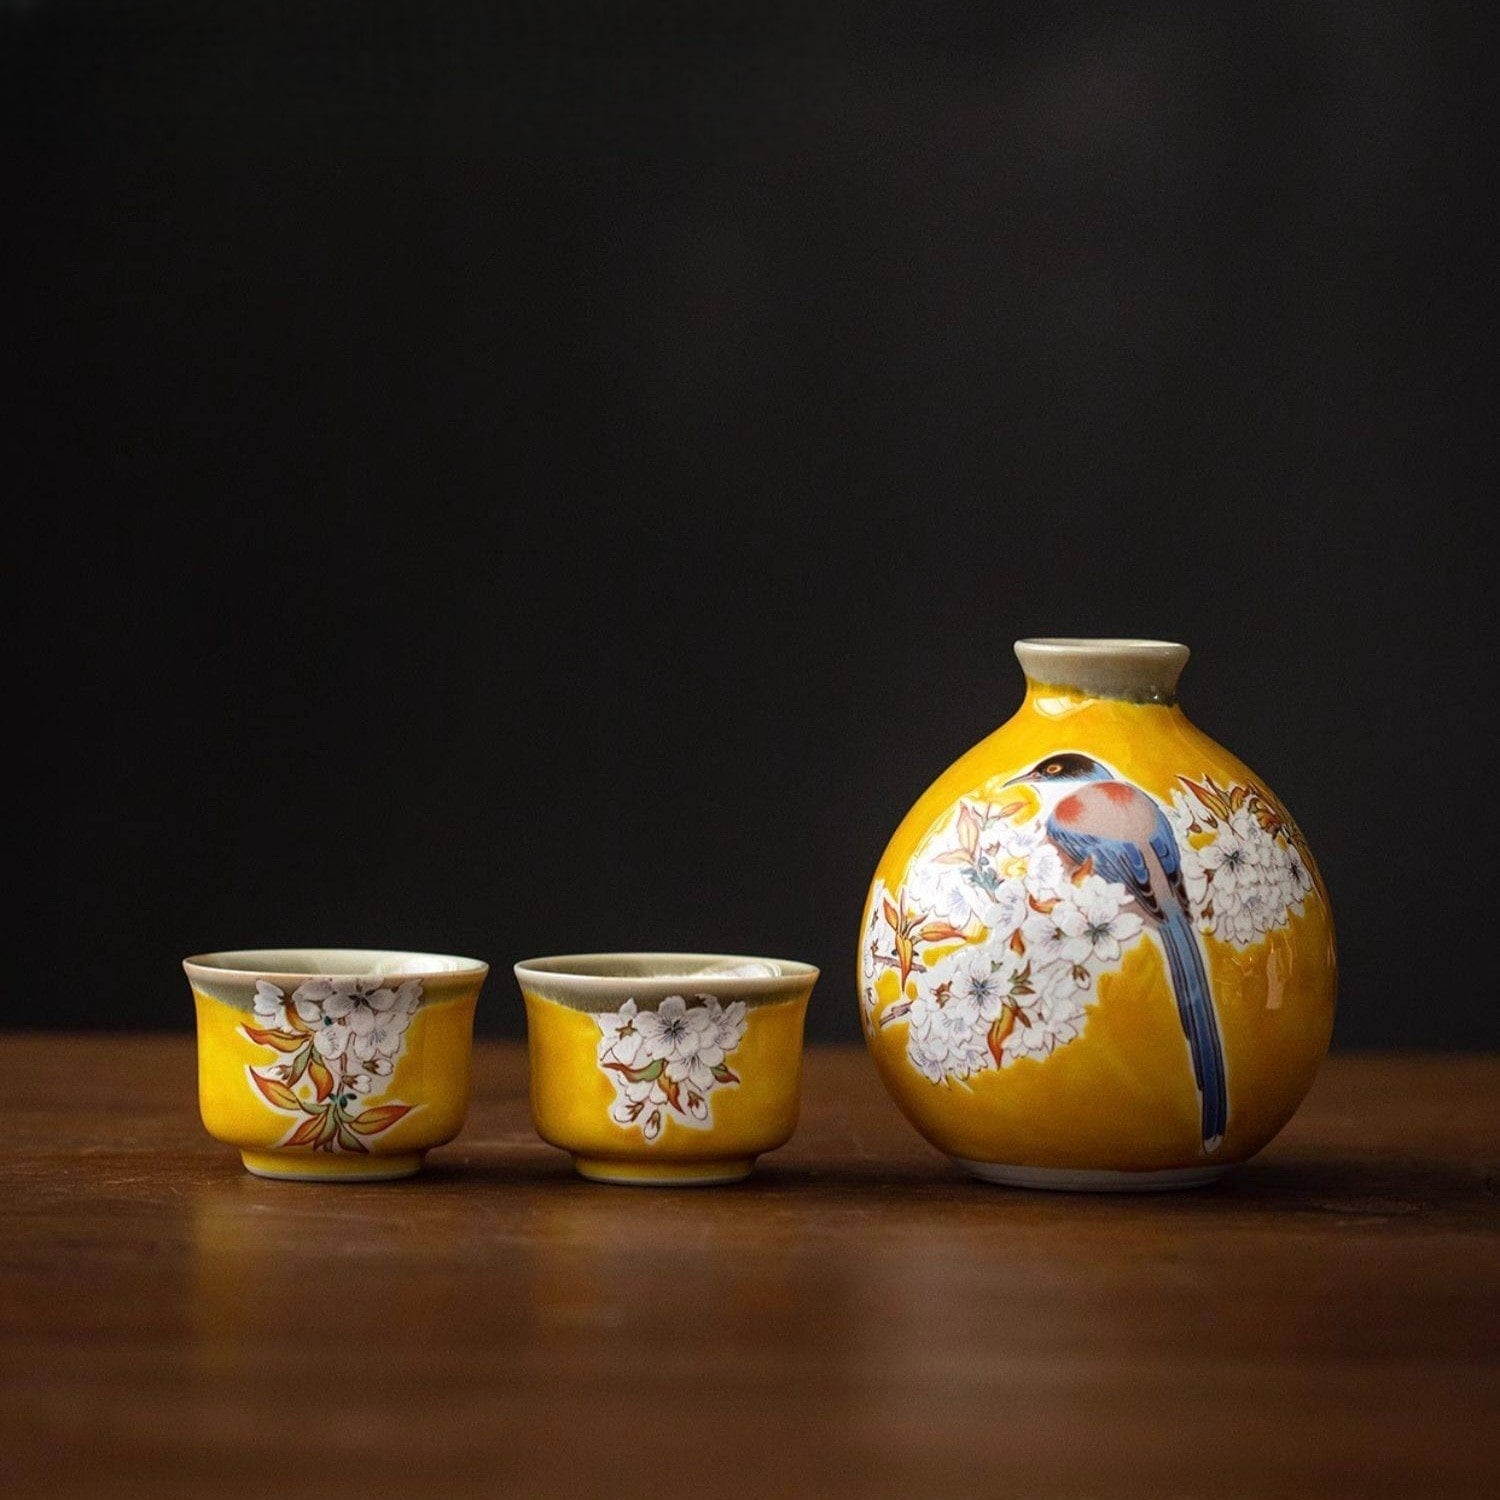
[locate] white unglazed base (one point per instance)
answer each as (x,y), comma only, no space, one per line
(1086,1180)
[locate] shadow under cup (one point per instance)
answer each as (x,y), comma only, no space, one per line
(334,1065)
(665,1069)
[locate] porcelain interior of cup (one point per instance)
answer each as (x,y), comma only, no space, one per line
(335,1064)
(670,1069)
(600,981)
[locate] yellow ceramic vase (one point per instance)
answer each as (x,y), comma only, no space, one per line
(334,1065)
(1097,953)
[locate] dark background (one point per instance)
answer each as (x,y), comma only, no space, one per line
(515,479)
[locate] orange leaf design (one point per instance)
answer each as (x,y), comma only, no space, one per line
(276,1092)
(891,914)
(322,1079)
(1084,870)
(296,1022)
(940,932)
(1005,1023)
(382,1117)
(968,828)
(307,1132)
(1210,796)
(904,956)
(1017,942)
(282,1041)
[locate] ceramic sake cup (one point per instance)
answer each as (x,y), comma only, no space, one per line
(665,1069)
(334,1065)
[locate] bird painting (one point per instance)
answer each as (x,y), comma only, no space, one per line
(1122,835)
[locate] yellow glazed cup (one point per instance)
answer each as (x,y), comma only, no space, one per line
(665,1069)
(334,1065)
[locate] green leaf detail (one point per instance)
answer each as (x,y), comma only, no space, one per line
(648,1074)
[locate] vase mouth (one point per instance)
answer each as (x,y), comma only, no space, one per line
(1139,671)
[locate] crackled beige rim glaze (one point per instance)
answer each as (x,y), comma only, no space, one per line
(598,982)
(1139,671)
(231,976)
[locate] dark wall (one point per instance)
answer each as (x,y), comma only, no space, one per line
(522,479)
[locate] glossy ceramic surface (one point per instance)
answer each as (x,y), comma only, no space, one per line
(334,1064)
(1097,953)
(665,1069)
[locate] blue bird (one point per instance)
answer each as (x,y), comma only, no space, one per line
(1127,836)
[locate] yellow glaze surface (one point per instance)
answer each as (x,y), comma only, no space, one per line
(1121,1096)
(431,1073)
(572,1095)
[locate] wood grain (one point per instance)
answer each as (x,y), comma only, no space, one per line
(857,1319)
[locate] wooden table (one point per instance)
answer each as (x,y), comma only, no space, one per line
(857,1319)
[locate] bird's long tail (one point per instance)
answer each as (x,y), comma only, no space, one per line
(1200,1022)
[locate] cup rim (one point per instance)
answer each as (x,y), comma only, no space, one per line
(239,964)
(582,971)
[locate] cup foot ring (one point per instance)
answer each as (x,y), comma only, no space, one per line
(338,1166)
(664,1174)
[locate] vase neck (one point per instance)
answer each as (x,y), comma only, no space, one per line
(1134,671)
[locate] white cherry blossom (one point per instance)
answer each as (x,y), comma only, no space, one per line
(673,1031)
(269,999)
(383,1036)
(331,1039)
(1095,923)
(665,1063)
(1004,912)
(1047,1020)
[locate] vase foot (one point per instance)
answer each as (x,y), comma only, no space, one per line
(1087,1180)
(288,1166)
(664,1173)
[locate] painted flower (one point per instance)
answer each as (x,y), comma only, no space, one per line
(1228,860)
(980,985)
(622,1041)
(353,1030)
(269,999)
(728,1024)
(668,1061)
(942,1038)
(383,1035)
(1095,923)
(1004,910)
(1047,1020)
(1044,939)
(1045,872)
(309,998)
(331,1039)
(1194,874)
(705,1035)
(673,1031)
